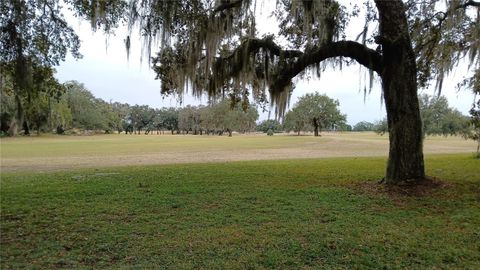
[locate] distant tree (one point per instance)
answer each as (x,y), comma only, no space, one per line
(170,119)
(61,118)
(381,126)
(189,119)
(209,119)
(295,121)
(241,120)
(37,114)
(7,110)
(439,118)
(272,124)
(86,109)
(141,117)
(363,126)
(317,111)
(225,116)
(157,121)
(119,120)
(344,127)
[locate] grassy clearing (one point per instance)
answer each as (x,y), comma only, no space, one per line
(115,144)
(287,214)
(65,152)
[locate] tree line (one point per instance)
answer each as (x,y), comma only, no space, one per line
(73,108)
(70,108)
(438,118)
(314,112)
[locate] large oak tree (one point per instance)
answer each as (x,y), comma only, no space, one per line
(413,44)
(208,46)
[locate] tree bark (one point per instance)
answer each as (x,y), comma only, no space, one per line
(17,122)
(315,127)
(399,83)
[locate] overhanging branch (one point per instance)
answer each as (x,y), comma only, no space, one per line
(254,44)
(228,5)
(250,47)
(357,51)
(470,3)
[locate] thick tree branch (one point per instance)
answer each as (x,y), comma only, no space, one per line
(357,51)
(228,5)
(233,64)
(268,43)
(469,3)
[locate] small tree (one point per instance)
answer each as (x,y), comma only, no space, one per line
(363,126)
(381,127)
(85,108)
(266,125)
(440,119)
(294,121)
(317,111)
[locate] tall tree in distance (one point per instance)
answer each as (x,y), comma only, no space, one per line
(270,124)
(363,126)
(314,112)
(439,118)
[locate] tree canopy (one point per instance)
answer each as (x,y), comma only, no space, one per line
(270,124)
(314,112)
(363,126)
(439,118)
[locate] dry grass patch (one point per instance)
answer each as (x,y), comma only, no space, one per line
(53,153)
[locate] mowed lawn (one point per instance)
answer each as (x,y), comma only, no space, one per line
(284,214)
(48,153)
(117,201)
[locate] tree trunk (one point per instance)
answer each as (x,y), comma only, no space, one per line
(315,127)
(13,128)
(399,83)
(26,128)
(16,124)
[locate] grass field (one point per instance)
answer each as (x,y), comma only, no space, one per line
(326,213)
(49,153)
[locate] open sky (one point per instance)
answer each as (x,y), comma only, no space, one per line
(106,72)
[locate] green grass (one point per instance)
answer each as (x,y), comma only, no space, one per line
(47,153)
(121,144)
(292,214)
(55,146)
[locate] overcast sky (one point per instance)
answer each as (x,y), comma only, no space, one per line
(105,71)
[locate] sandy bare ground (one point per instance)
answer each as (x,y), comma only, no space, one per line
(331,145)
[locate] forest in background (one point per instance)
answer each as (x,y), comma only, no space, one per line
(70,108)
